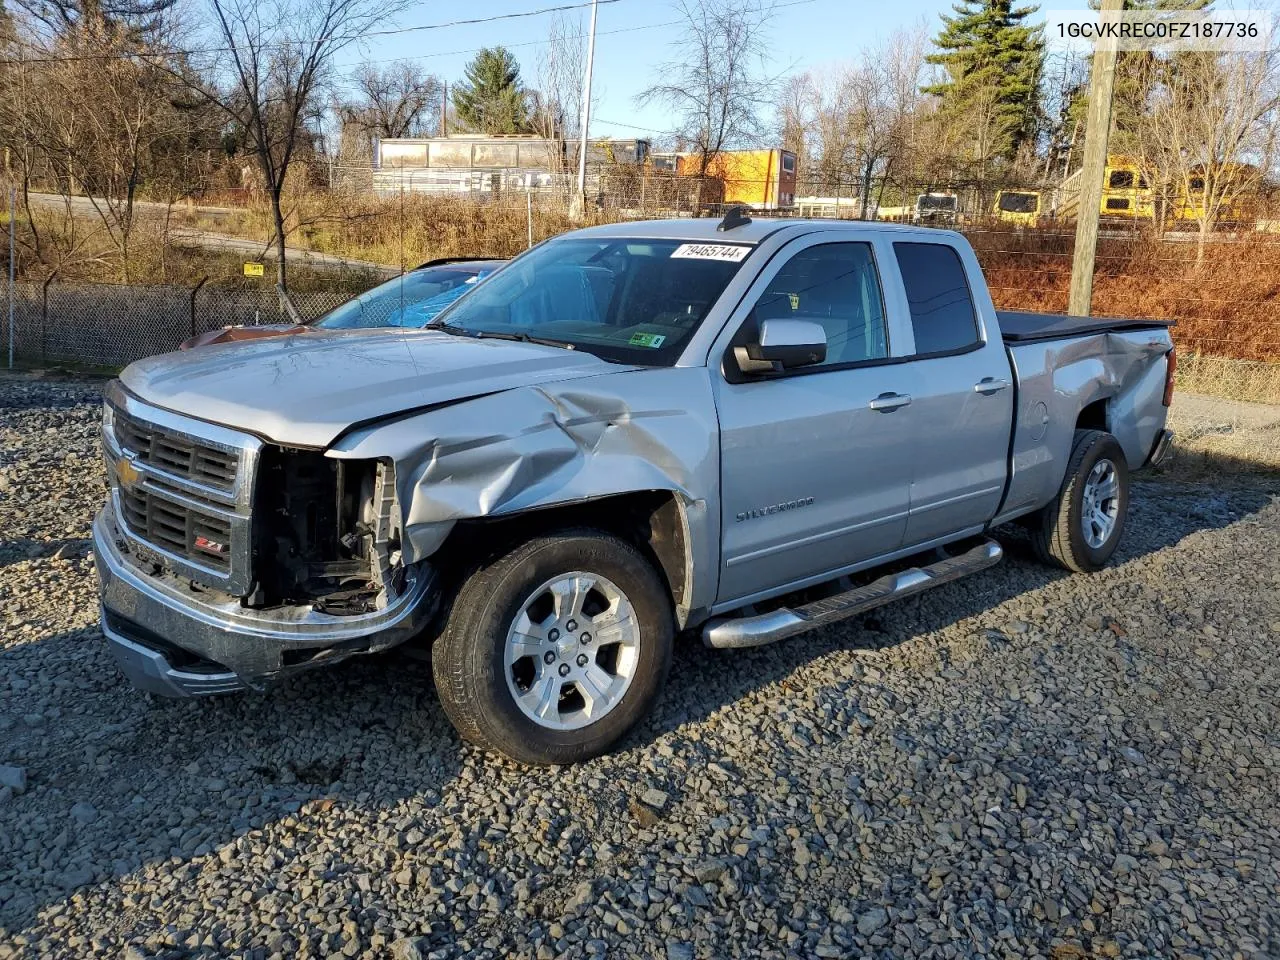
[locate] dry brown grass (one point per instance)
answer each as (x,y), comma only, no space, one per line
(415,228)
(1226,306)
(79,249)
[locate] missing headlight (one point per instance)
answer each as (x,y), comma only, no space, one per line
(325,532)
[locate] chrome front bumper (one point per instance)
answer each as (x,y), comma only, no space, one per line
(177,641)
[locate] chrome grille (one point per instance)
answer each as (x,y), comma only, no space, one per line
(182,490)
(176,528)
(177,454)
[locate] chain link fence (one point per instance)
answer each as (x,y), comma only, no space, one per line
(108,326)
(1222,294)
(1250,380)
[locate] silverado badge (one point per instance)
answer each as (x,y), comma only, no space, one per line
(774,508)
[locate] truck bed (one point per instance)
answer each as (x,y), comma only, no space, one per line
(1019,326)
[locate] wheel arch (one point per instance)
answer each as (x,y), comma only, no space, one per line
(656,522)
(1095,415)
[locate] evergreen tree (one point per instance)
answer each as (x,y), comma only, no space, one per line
(1134,72)
(993,62)
(136,17)
(492,99)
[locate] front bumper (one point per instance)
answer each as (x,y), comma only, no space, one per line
(176,640)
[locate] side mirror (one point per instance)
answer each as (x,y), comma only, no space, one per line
(783,345)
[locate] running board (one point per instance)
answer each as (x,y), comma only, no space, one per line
(729,633)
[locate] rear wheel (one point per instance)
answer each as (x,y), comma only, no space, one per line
(1082,527)
(555,650)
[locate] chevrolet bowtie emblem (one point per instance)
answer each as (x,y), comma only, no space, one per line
(126,472)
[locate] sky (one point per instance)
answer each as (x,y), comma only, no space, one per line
(632,40)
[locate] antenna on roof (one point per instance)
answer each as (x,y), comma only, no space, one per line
(735,216)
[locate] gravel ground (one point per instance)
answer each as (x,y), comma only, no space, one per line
(1022,764)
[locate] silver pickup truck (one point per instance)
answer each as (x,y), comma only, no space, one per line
(740,430)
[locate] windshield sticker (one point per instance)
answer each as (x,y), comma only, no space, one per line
(647,339)
(711,251)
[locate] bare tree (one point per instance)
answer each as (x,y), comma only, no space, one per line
(95,135)
(1208,133)
(857,122)
(882,98)
(901,63)
(55,237)
(557,101)
(399,100)
(1066,82)
(795,120)
(715,84)
(277,61)
(93,116)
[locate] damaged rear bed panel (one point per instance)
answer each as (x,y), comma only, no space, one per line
(1057,379)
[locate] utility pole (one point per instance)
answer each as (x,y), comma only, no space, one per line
(444,109)
(13,205)
(1097,132)
(586,114)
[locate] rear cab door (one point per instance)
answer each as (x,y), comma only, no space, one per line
(961,385)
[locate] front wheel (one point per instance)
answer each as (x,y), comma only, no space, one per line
(1081,528)
(555,650)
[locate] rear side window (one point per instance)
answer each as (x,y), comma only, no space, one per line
(942,314)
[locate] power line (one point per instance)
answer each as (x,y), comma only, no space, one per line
(631,126)
(396,31)
(468,23)
(575,36)
(536,43)
(291,43)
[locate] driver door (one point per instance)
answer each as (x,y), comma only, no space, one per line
(813,478)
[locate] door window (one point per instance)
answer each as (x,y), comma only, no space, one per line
(942,314)
(835,285)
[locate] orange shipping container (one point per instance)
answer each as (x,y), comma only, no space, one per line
(763,179)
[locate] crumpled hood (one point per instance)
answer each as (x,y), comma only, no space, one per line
(306,390)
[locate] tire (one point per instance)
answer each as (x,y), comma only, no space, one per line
(1058,532)
(491,701)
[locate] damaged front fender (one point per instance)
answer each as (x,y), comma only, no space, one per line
(558,443)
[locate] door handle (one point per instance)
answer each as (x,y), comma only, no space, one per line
(889,401)
(989,385)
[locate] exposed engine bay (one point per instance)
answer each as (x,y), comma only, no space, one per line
(326,533)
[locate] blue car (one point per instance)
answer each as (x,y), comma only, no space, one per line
(411,300)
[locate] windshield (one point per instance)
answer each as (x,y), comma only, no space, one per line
(931,202)
(629,301)
(1019,202)
(411,300)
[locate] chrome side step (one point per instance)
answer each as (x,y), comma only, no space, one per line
(735,632)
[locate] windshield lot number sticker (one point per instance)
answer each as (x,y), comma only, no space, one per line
(647,339)
(711,251)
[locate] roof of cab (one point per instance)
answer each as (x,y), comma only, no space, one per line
(703,229)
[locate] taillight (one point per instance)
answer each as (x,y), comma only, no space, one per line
(1169,374)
